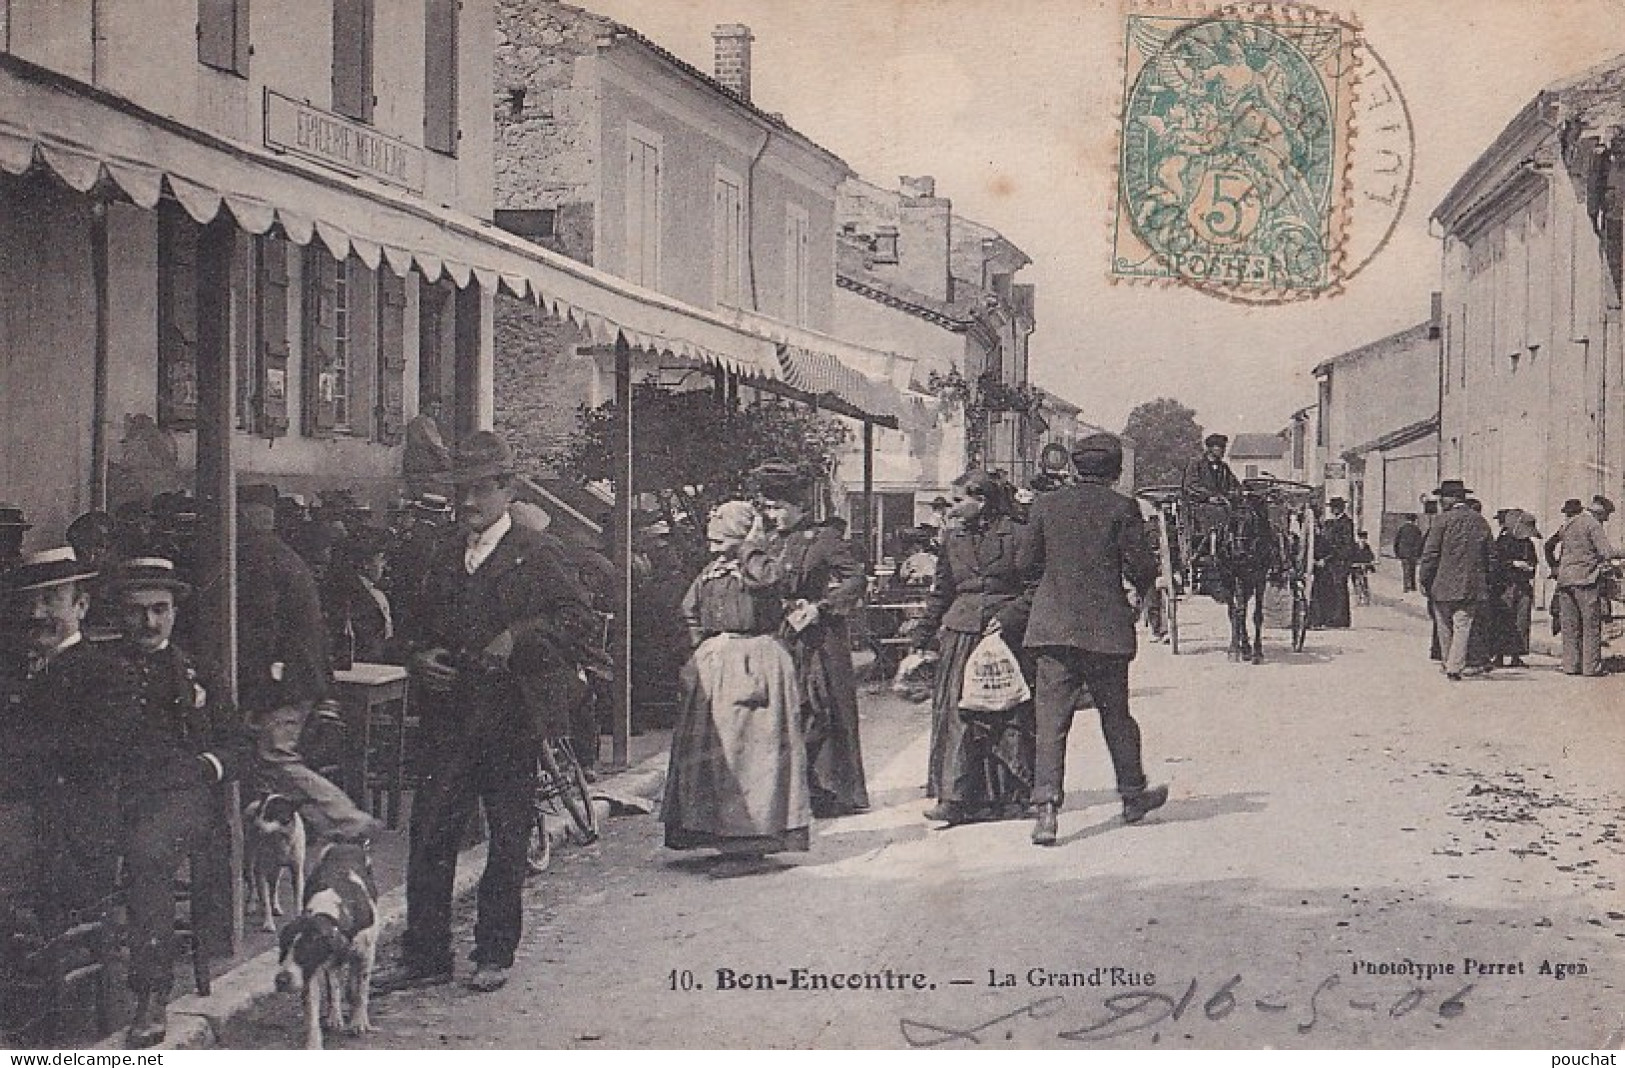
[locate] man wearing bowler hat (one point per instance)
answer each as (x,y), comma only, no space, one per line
(500,625)
(186,738)
(1454,571)
(1086,540)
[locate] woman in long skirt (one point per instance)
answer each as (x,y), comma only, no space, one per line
(738,775)
(822,583)
(981,762)
(1516,562)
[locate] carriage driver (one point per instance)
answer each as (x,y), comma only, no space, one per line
(1209,484)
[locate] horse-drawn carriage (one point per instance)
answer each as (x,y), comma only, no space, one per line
(1241,550)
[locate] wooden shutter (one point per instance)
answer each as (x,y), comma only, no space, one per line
(352,58)
(222,34)
(440,75)
(363,350)
(321,324)
(271,386)
(391,415)
(177,318)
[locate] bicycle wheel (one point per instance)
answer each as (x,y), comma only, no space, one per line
(1300,619)
(559,760)
(539,850)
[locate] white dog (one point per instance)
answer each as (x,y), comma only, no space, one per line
(274,839)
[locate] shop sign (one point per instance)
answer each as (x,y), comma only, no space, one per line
(295,127)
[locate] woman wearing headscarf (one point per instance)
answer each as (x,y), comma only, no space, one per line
(981,763)
(1515,563)
(823,583)
(738,778)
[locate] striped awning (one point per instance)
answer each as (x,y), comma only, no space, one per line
(95,141)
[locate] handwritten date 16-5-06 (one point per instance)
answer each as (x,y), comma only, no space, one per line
(1131,1011)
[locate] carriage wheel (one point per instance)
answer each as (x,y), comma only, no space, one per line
(539,850)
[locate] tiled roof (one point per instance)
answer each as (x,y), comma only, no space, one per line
(1258,446)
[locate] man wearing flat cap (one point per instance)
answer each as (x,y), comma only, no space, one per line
(1085,542)
(186,738)
(1454,572)
(494,643)
(1207,488)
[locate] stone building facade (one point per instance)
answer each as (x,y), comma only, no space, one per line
(615,152)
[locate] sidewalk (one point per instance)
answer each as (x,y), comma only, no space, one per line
(194,1022)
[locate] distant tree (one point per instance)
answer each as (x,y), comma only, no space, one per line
(1166,436)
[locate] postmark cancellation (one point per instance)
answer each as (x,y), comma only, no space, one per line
(1234,164)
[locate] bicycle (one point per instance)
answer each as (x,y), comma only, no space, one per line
(1360,574)
(561,792)
(561,781)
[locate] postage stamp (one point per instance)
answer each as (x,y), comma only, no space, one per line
(1234,163)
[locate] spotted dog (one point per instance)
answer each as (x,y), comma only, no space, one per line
(328,950)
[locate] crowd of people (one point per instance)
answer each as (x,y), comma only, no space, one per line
(1480,584)
(767,734)
(115,731)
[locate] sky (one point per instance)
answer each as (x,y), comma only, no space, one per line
(1012,105)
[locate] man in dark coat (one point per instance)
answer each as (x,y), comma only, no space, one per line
(823,584)
(186,738)
(284,676)
(494,650)
(1084,541)
(66,730)
(1408,541)
(1454,571)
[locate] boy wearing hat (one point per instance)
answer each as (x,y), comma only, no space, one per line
(1085,541)
(1454,570)
(495,641)
(186,737)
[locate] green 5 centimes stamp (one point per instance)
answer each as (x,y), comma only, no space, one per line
(1233,169)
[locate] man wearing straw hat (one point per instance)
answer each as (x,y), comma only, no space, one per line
(186,738)
(74,706)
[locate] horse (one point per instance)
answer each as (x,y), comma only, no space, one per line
(1248,552)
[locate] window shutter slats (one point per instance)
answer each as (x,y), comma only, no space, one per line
(391,416)
(271,390)
(321,326)
(440,76)
(352,58)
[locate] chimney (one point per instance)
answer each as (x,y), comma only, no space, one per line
(732,68)
(924,222)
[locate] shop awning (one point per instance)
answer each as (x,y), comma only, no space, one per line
(823,365)
(1405,435)
(94,140)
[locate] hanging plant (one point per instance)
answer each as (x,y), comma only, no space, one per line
(980,400)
